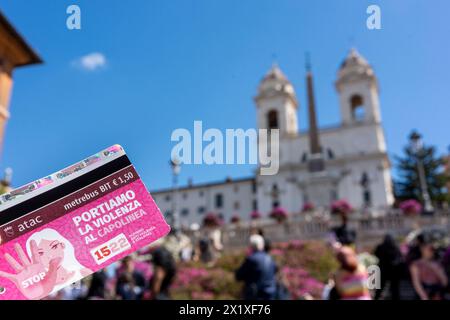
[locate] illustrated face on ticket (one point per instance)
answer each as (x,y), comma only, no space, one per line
(62,228)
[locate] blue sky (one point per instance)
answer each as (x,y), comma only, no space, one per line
(169,63)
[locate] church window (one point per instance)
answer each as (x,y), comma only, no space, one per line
(367,198)
(330,154)
(236,205)
(201,210)
(275,196)
(255,205)
(365,184)
(254,187)
(304,157)
(357,108)
(219,200)
(334,195)
(185,212)
(272,119)
(305,197)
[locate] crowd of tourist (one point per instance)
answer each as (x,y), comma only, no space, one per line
(149,273)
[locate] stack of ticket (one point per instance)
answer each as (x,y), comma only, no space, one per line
(61,228)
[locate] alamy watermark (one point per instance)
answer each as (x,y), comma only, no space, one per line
(73,21)
(234,146)
(374,277)
(373,22)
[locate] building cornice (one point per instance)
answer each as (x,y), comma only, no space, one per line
(27,56)
(336,128)
(204,185)
(340,161)
(275,94)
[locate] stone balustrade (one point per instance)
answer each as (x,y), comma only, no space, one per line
(370,230)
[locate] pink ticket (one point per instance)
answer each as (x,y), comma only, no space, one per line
(60,229)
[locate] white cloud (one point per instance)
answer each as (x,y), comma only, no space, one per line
(91,61)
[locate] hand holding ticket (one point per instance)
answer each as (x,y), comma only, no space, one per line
(59,229)
(35,278)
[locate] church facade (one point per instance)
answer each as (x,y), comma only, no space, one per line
(348,161)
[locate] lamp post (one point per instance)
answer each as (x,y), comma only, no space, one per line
(176,167)
(417,148)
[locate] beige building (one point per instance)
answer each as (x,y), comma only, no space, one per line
(14,53)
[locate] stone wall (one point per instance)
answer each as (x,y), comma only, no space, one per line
(370,231)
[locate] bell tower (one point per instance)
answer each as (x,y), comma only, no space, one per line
(357,86)
(277,104)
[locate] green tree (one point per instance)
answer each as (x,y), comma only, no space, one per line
(407,186)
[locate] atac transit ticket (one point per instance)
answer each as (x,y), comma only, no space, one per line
(59,229)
